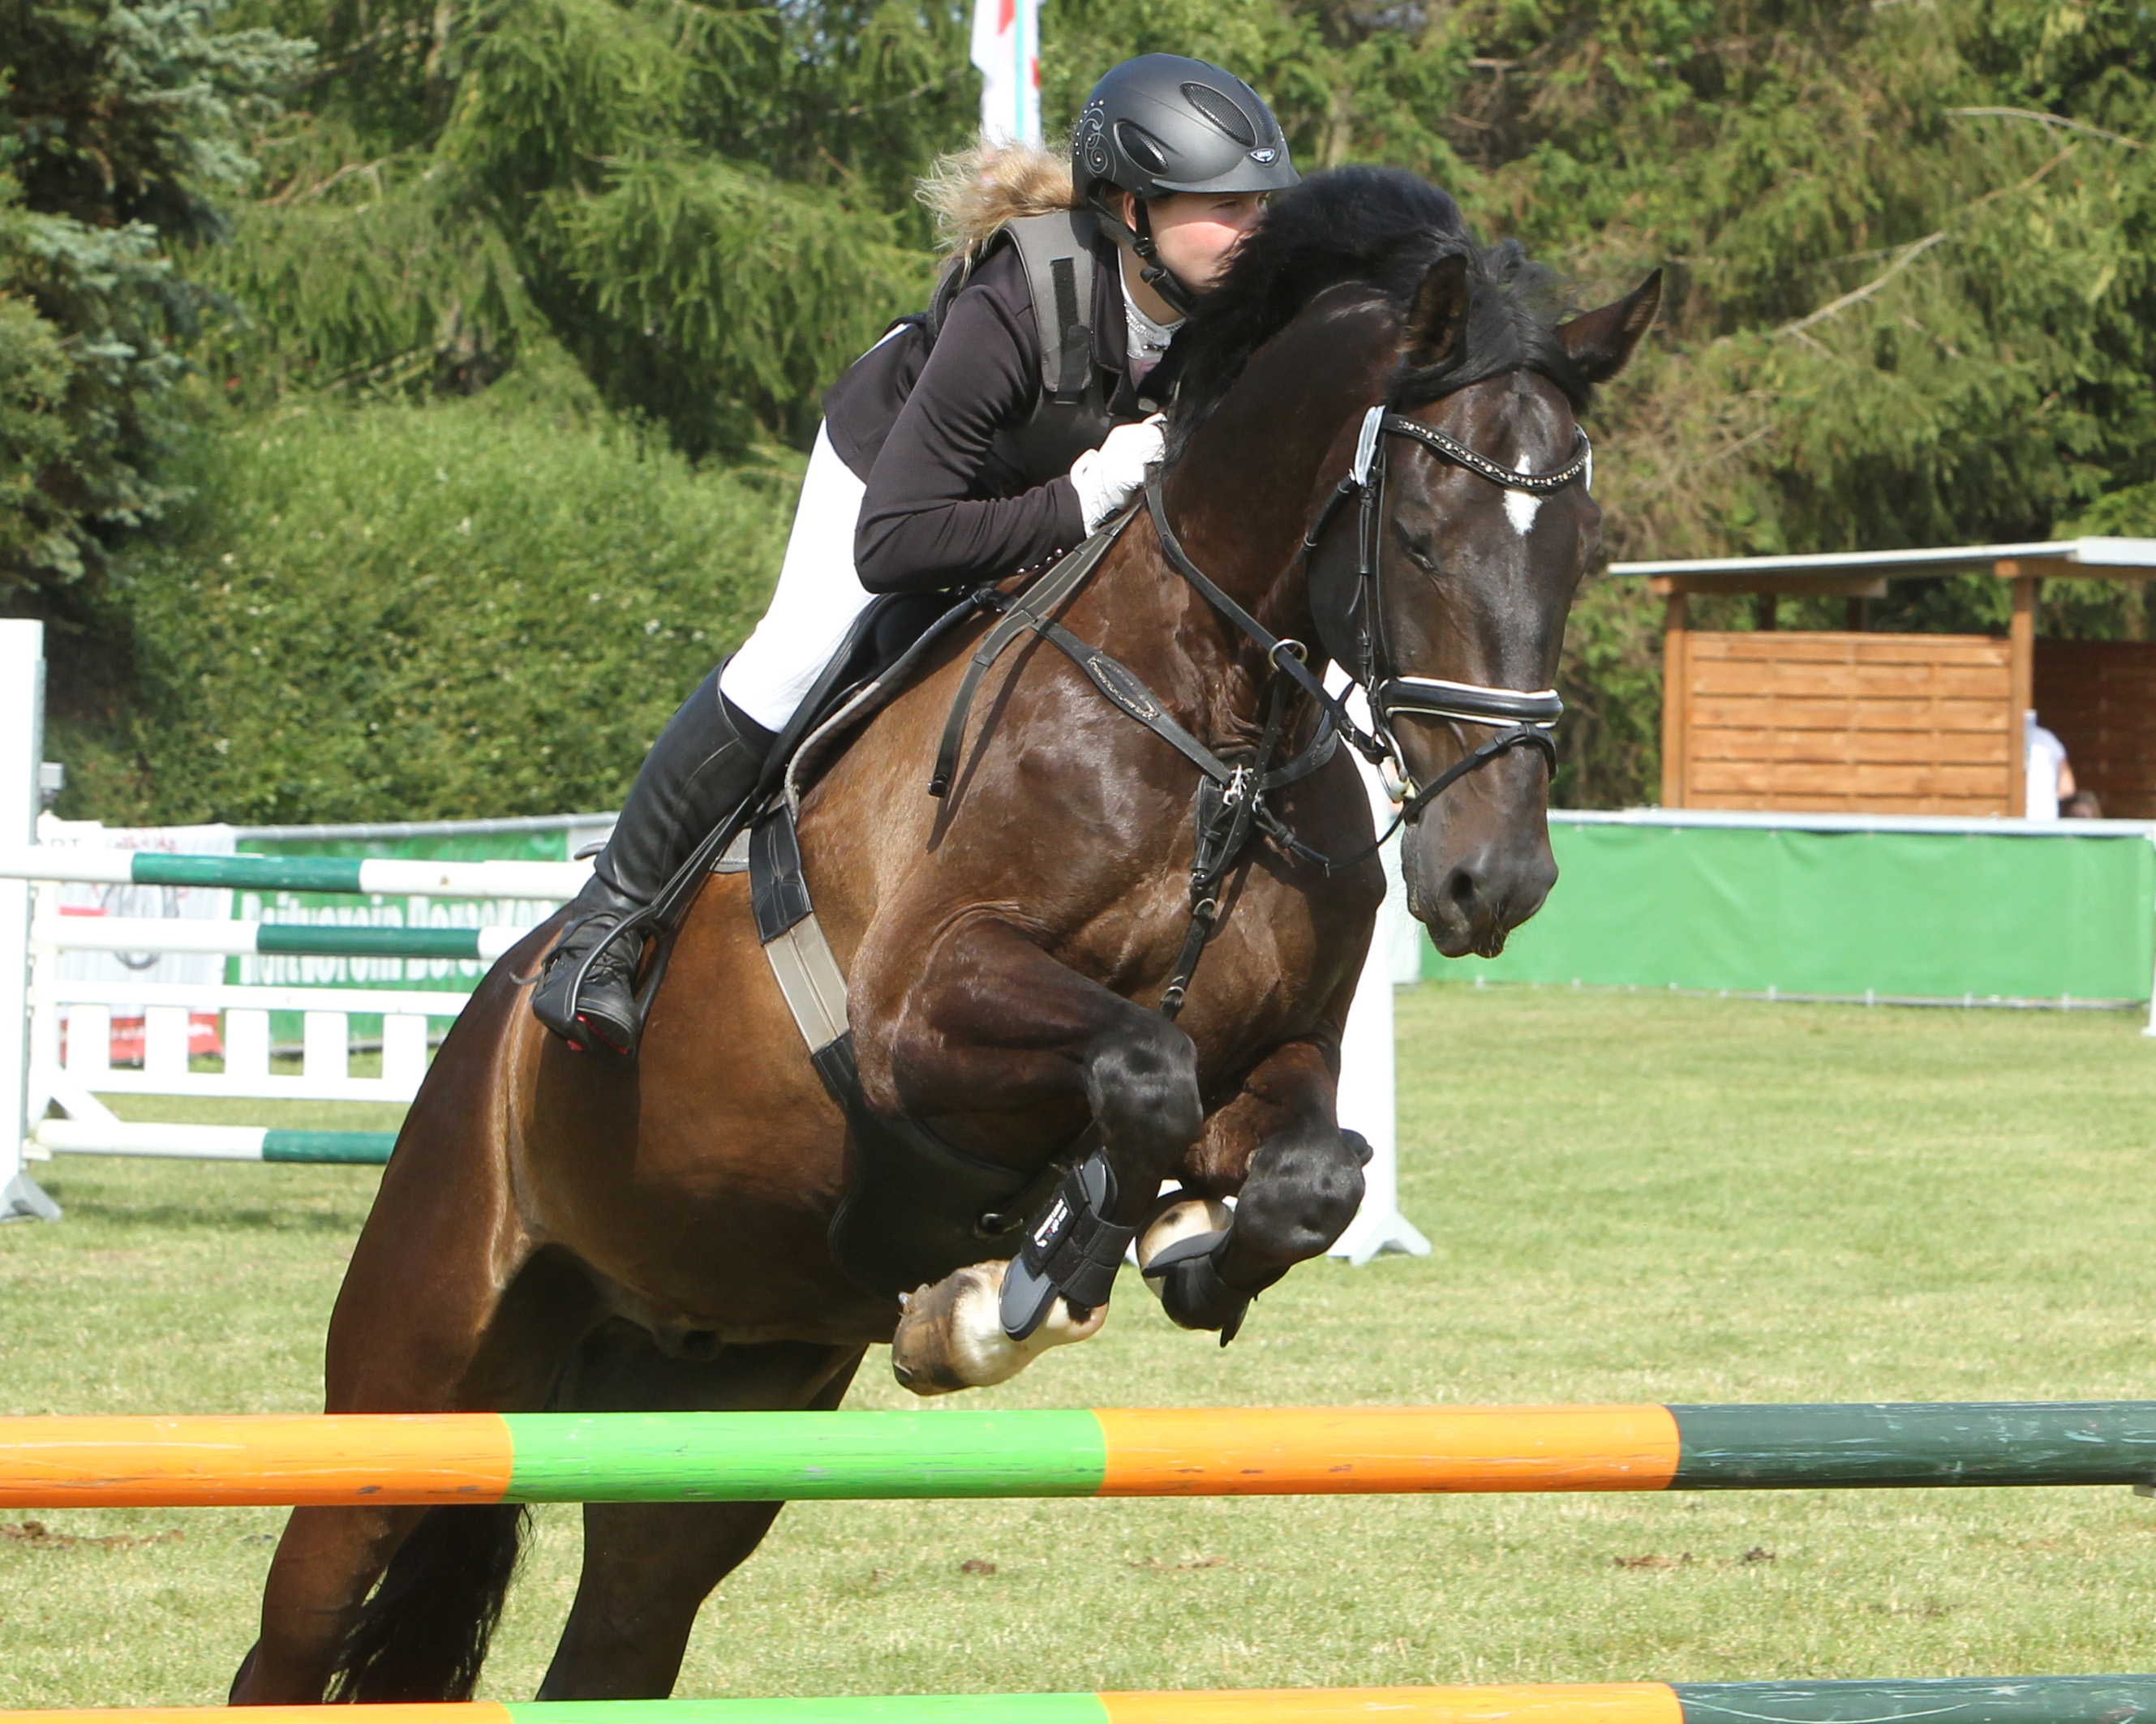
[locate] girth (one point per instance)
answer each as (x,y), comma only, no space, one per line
(916,1208)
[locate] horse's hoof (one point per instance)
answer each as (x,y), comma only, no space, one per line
(1177,1216)
(951,1336)
(1178,1254)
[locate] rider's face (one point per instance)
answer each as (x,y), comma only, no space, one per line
(1196,230)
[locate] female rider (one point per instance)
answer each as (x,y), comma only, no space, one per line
(947,459)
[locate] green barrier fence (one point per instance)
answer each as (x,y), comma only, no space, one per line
(1898,910)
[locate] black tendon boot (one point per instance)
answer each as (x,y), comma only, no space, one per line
(703,767)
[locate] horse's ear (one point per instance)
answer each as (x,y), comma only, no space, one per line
(1601,341)
(1437,314)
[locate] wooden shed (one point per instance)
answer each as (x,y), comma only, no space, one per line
(1854,721)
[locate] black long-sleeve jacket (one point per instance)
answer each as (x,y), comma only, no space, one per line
(951,499)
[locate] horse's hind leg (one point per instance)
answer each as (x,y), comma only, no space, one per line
(446,1340)
(648,1567)
(440,1311)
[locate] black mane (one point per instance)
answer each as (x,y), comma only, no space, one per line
(1382,228)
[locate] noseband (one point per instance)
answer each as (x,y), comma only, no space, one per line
(1358,641)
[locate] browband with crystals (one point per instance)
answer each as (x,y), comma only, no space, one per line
(1453,449)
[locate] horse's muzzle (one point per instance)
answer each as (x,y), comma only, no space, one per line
(1471,896)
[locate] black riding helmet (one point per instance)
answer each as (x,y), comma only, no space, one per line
(1161,124)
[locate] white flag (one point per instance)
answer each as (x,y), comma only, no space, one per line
(1006,48)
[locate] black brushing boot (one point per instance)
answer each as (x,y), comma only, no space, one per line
(703,767)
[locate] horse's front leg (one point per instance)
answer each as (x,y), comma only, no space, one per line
(1296,1179)
(993,1025)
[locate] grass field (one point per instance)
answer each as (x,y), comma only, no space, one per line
(1631,1199)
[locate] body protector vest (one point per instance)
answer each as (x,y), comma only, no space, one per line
(1069,416)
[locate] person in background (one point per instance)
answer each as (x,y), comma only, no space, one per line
(2082,805)
(2049,777)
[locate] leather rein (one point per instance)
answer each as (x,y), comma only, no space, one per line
(1232,800)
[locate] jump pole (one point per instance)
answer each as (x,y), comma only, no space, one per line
(70,933)
(1962,1700)
(383,1458)
(213,1143)
(394,876)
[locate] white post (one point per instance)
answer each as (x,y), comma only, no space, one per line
(22,688)
(1368,1102)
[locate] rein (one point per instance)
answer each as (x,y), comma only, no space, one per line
(1238,788)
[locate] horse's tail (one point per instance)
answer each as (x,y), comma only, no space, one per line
(422,1635)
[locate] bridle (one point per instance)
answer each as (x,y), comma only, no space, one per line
(1357,640)
(1233,793)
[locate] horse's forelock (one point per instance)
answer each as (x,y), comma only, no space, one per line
(1375,232)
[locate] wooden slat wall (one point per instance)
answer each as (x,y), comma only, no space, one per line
(2099,697)
(1886,723)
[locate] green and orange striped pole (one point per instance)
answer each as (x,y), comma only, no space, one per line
(743,1457)
(2012,1699)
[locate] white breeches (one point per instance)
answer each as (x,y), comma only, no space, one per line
(818,598)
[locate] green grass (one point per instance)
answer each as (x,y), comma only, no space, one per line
(1631,1199)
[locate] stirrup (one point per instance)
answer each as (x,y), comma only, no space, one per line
(568,1020)
(659,921)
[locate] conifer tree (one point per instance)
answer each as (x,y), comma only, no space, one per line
(121,132)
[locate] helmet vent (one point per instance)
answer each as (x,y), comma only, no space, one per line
(1222,112)
(1140,148)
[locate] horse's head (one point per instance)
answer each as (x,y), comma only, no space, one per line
(1361,327)
(1443,583)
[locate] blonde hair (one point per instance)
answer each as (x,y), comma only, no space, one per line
(973,192)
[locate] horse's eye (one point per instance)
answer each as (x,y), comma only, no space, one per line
(1422,556)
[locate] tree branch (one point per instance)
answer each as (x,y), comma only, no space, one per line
(1915,250)
(1910,254)
(2044,118)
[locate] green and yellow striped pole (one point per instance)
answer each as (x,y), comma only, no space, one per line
(770,1457)
(2011,1700)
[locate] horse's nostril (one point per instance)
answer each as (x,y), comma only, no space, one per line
(1460,888)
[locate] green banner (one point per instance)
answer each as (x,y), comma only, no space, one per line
(1955,915)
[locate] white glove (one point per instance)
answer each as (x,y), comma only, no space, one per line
(1106,477)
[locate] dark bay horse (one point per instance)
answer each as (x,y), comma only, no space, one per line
(553,1234)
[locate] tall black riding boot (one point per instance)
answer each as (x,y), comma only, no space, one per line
(703,767)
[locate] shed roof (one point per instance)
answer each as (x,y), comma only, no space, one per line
(1857,571)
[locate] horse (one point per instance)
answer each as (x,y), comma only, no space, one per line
(551,1233)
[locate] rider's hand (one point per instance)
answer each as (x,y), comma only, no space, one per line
(1106,477)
